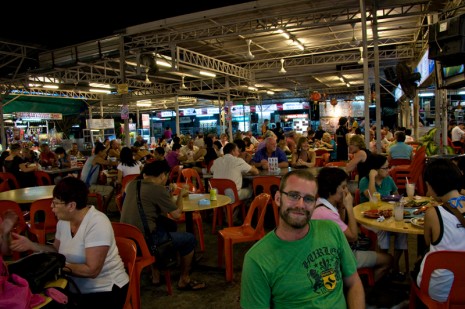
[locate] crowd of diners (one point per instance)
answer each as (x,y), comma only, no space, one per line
(311,246)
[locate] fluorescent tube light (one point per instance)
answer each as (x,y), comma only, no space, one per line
(163,63)
(99,90)
(98,85)
(50,86)
(426,94)
(209,74)
(144,104)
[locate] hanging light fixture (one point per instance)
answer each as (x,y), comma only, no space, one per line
(282,71)
(183,86)
(249,56)
(354,42)
(147,80)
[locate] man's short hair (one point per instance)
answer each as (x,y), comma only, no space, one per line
(301,173)
(156,168)
(229,147)
(443,176)
(400,136)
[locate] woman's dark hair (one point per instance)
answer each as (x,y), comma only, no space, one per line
(240,144)
(328,179)
(247,141)
(126,157)
(443,176)
(377,161)
(99,147)
(342,121)
(208,142)
(71,189)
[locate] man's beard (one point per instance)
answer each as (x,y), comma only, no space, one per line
(296,223)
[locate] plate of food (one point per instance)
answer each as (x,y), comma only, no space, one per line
(375,213)
(416,204)
(372,213)
(418,222)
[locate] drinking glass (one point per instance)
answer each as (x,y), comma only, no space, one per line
(399,211)
(410,190)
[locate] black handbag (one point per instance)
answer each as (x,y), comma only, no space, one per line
(166,255)
(38,269)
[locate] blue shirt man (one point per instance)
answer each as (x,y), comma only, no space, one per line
(260,158)
(400,150)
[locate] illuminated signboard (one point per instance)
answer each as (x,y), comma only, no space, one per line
(39,116)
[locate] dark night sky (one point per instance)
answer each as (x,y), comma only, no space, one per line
(55,26)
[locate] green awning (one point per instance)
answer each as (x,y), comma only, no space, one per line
(36,104)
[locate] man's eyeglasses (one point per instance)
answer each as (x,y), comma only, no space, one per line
(384,168)
(56,203)
(295,197)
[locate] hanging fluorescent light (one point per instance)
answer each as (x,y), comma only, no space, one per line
(209,74)
(183,86)
(163,63)
(348,85)
(461,92)
(144,104)
(270,92)
(283,70)
(252,88)
(100,90)
(98,85)
(50,86)
(426,94)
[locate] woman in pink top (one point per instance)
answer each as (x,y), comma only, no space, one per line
(335,203)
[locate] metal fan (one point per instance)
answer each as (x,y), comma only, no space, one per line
(249,56)
(407,79)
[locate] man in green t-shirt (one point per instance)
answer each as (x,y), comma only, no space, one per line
(303,263)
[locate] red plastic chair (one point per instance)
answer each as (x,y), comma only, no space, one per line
(368,271)
(99,201)
(450,260)
(229,236)
(457,149)
(223,184)
(12,181)
(192,178)
(414,172)
(41,228)
(270,185)
(396,162)
(126,179)
(42,178)
(127,250)
(174,174)
(144,258)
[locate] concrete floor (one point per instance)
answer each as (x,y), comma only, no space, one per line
(221,294)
